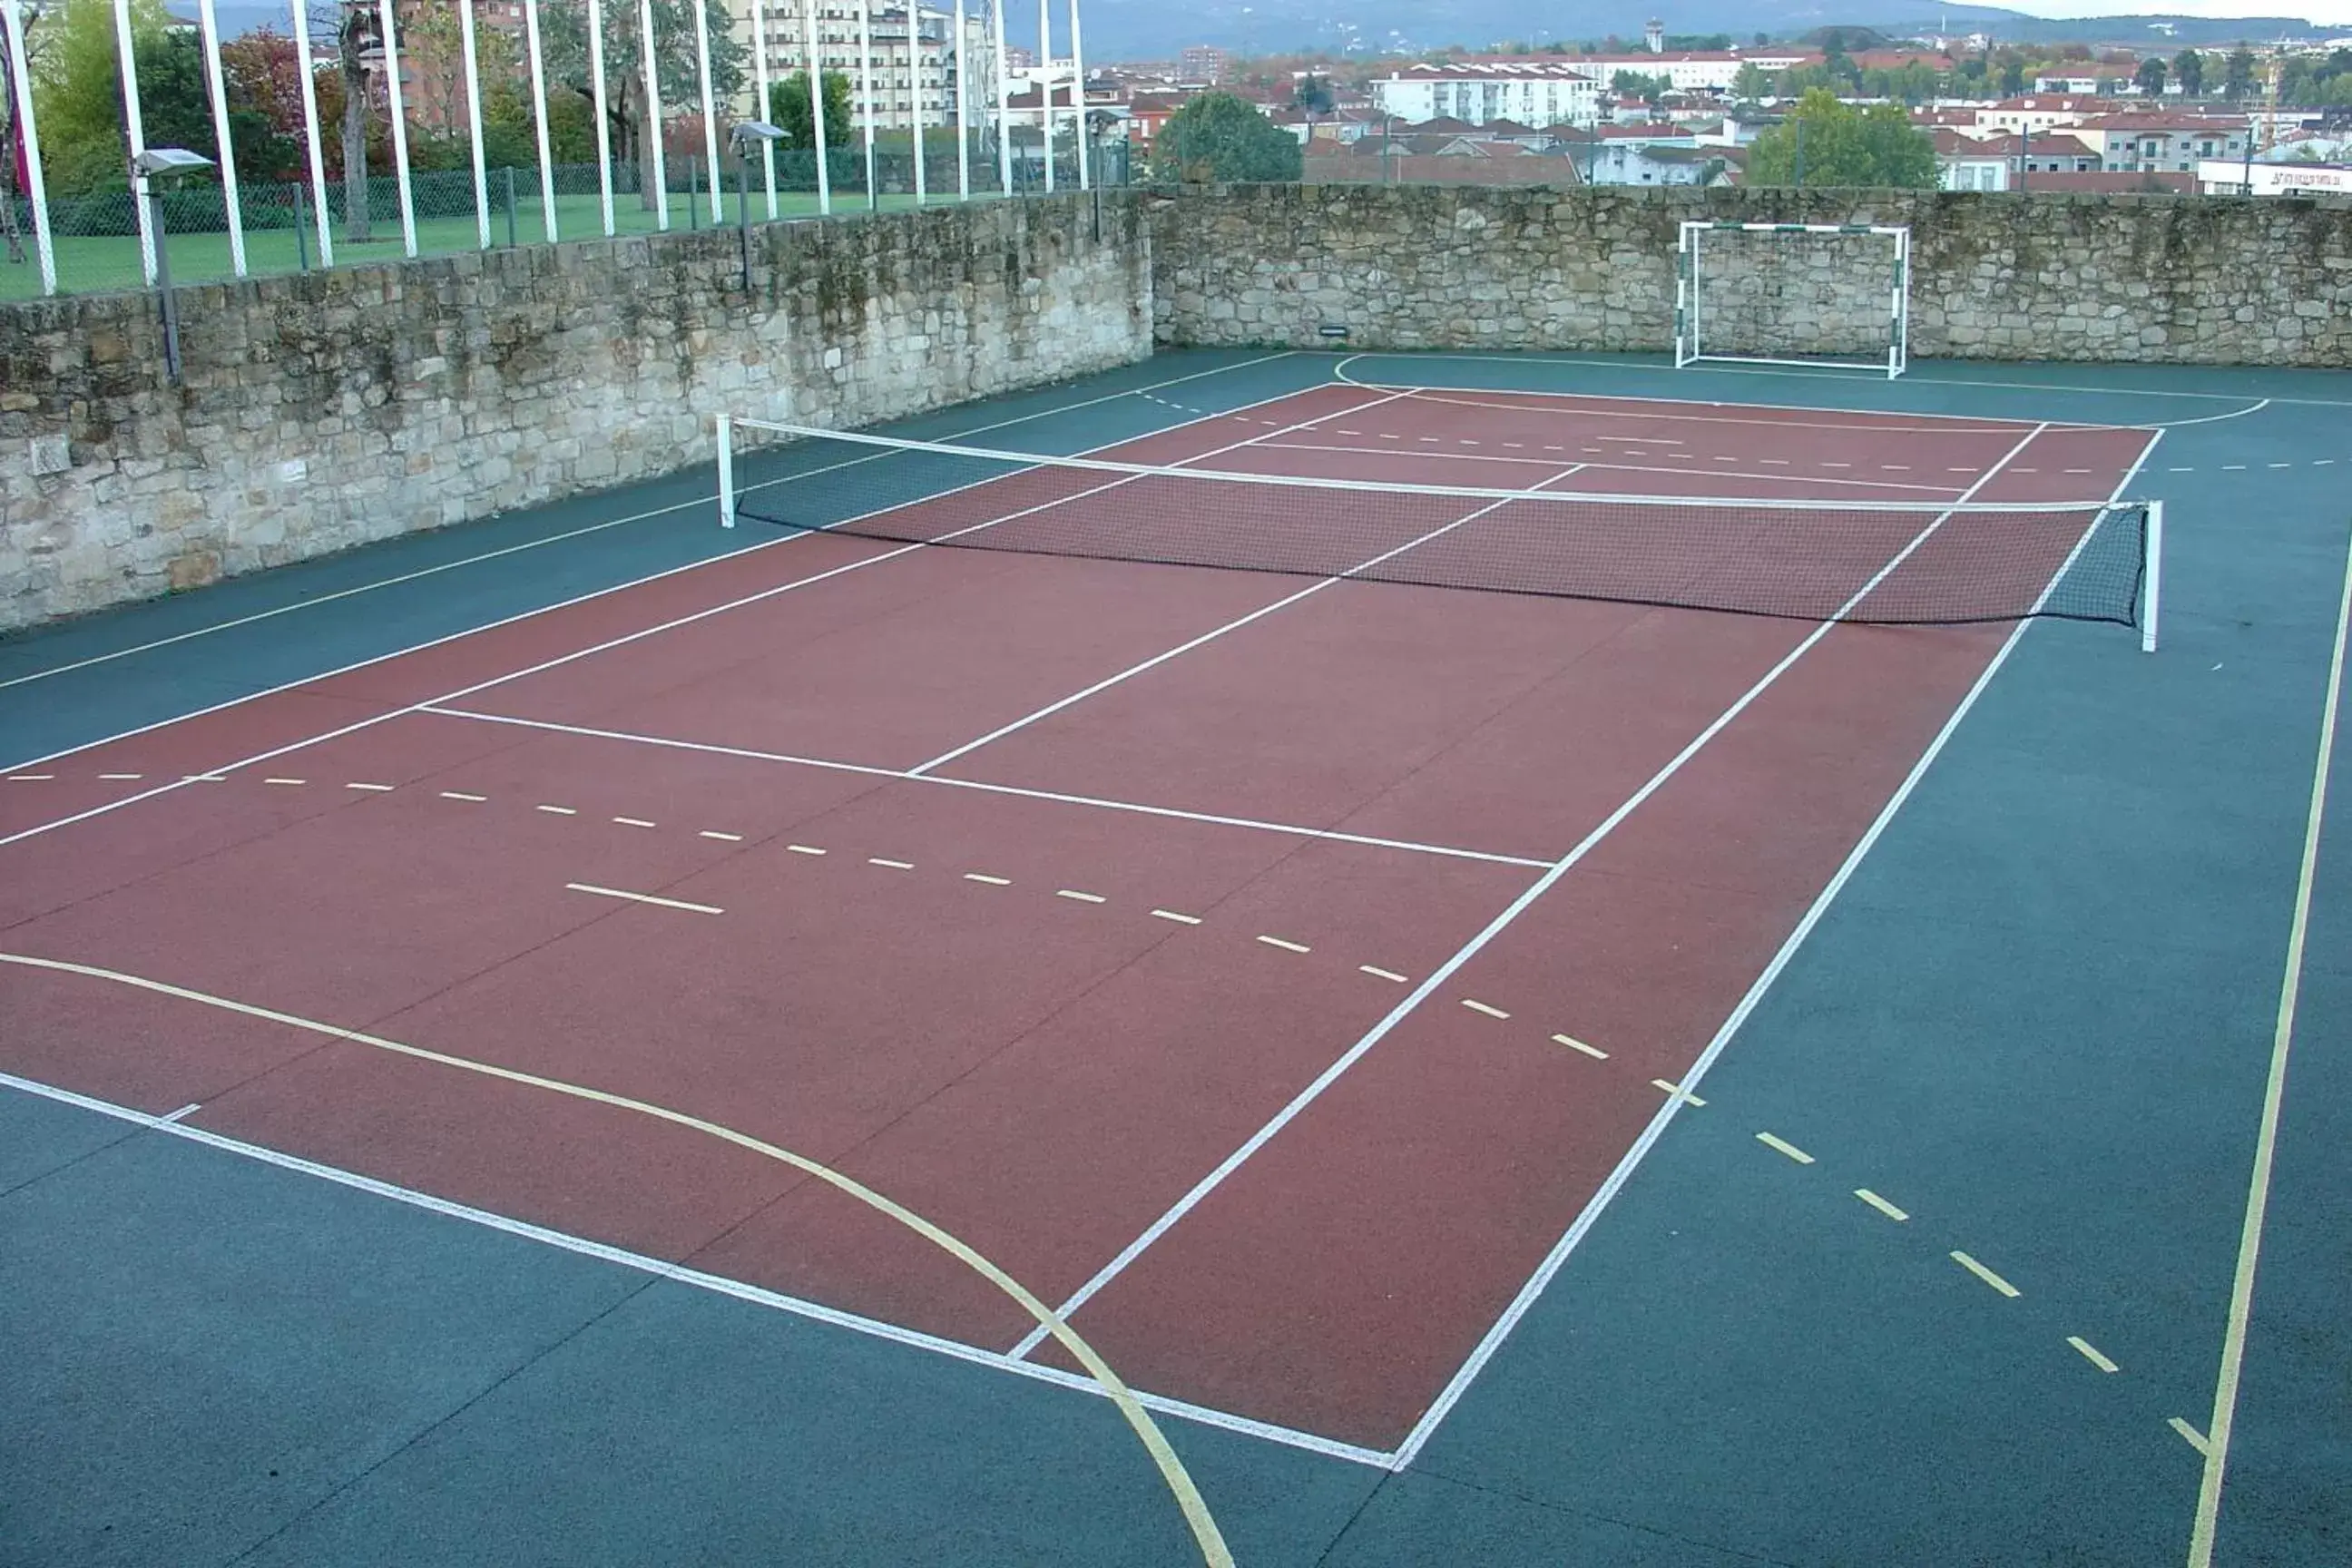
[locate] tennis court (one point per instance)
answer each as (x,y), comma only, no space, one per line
(1201,937)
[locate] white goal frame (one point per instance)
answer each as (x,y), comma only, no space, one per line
(1689,299)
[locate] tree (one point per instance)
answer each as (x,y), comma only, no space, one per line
(1750,83)
(12,148)
(1312,94)
(2189,66)
(78,92)
(2013,76)
(2150,76)
(356,38)
(1633,84)
(2238,74)
(788,108)
(1217,136)
(1876,147)
(564,42)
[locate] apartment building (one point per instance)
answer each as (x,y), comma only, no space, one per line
(914,57)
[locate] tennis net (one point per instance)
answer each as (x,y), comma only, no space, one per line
(1872,561)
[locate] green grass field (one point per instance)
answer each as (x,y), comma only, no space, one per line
(99,263)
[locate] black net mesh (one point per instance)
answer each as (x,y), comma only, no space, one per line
(1878,562)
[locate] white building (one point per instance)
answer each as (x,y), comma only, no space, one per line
(2232,176)
(902,70)
(1697,70)
(1545,91)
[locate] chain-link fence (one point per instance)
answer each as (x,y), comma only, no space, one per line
(98,249)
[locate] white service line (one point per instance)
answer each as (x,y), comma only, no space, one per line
(545,665)
(616,523)
(1501,1329)
(1214,632)
(1496,926)
(645,898)
(1171,812)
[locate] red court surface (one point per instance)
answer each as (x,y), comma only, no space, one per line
(1274,1006)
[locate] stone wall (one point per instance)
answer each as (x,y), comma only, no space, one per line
(324,410)
(2151,278)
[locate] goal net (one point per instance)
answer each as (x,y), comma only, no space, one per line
(1791,293)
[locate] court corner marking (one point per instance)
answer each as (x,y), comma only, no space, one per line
(1179,1480)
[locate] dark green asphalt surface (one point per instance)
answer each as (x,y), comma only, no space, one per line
(2038,1019)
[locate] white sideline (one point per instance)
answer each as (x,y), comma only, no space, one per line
(1500,1331)
(1511,912)
(874,1328)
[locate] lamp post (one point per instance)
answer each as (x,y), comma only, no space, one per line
(740,138)
(165,161)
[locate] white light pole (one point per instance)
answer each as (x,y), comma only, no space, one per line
(866,97)
(474,124)
(915,80)
(399,130)
(1045,85)
(310,132)
(539,117)
(209,24)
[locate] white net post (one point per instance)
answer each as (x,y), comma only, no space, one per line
(726,443)
(2151,575)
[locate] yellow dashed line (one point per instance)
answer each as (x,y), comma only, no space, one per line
(1986,1274)
(1482,1007)
(1182,919)
(984,878)
(890,865)
(1081,898)
(2092,1353)
(1286,946)
(722,837)
(1783,1146)
(1881,1204)
(633,822)
(1379,974)
(461,794)
(1595,1052)
(1675,1090)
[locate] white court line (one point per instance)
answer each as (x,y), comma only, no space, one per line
(1234,624)
(2216,1444)
(645,898)
(615,522)
(1937,492)
(601,593)
(942,780)
(1536,1282)
(695,1278)
(1496,926)
(577,654)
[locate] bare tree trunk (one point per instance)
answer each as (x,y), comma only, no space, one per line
(354,36)
(631,112)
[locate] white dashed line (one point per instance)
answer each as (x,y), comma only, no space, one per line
(2232,467)
(30,778)
(1677,1090)
(2273,464)
(1837,465)
(890,865)
(987,880)
(286,781)
(1781,1145)
(124,777)
(1986,1274)
(722,837)
(1286,946)
(556,810)
(461,794)
(1073,893)
(803,848)
(1181,919)
(370,788)
(1595,1052)
(2092,1353)
(1483,1007)
(1782,462)
(1379,974)
(633,822)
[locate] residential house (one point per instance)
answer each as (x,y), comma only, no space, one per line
(2038,113)
(1999,162)
(2155,139)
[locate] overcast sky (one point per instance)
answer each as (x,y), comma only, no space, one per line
(2323,13)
